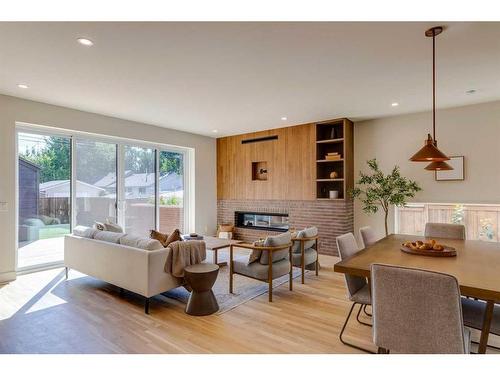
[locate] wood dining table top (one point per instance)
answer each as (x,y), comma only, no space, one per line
(476,266)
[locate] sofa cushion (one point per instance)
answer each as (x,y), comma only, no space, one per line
(309,257)
(83,231)
(140,242)
(305,233)
(259,271)
(112,237)
(274,241)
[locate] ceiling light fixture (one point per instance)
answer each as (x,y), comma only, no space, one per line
(284,118)
(430,152)
(85,42)
(215,131)
(471,91)
(395,104)
(22,86)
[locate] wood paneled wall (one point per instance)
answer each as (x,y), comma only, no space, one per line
(290,164)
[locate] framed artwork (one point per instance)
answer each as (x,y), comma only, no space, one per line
(457,174)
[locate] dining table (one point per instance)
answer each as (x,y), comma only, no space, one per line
(476,267)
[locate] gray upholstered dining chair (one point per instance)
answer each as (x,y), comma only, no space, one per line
(441,230)
(266,263)
(417,311)
(305,250)
(367,235)
(358,289)
(473,313)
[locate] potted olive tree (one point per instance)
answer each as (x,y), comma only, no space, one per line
(377,190)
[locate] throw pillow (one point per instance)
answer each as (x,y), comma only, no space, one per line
(274,241)
(99,226)
(165,239)
(255,254)
(174,236)
(155,235)
(112,227)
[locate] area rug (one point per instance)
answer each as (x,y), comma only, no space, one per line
(244,288)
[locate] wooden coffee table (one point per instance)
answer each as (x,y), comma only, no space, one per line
(215,244)
(201,277)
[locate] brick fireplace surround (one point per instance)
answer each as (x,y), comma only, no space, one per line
(332,218)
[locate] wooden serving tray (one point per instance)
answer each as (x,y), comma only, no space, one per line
(448,251)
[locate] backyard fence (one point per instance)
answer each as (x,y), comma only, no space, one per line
(481,221)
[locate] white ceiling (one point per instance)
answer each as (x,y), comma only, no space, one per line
(241,77)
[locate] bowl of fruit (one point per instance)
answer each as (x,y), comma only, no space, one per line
(428,248)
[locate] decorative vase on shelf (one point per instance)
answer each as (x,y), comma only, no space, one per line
(334,194)
(332,133)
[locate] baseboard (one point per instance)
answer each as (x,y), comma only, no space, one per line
(7,277)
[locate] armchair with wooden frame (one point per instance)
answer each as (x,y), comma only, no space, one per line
(305,250)
(276,265)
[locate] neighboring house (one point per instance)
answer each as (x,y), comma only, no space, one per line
(141,185)
(61,189)
(29,180)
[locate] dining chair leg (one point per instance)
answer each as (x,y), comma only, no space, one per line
(361,307)
(66,271)
(343,329)
(291,268)
(485,331)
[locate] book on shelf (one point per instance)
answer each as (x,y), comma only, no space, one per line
(332,157)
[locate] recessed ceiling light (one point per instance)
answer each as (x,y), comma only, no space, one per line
(471,91)
(22,86)
(85,42)
(215,131)
(395,104)
(284,118)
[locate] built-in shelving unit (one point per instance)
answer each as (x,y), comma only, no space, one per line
(334,153)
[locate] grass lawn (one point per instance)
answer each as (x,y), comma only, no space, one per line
(45,233)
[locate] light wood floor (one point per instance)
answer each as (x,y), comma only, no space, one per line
(44,313)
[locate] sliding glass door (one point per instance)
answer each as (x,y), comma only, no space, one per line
(139,196)
(95,182)
(65,180)
(171,191)
(44,198)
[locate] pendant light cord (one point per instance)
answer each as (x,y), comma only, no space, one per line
(434,86)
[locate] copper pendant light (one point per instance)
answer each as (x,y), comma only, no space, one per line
(430,152)
(439,166)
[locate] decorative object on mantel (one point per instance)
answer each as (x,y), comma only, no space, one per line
(259,171)
(430,152)
(455,174)
(383,190)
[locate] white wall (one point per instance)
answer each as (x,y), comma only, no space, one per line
(15,109)
(472,131)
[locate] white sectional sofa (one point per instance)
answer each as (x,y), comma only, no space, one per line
(129,262)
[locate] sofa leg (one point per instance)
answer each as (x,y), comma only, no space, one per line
(66,269)
(146,306)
